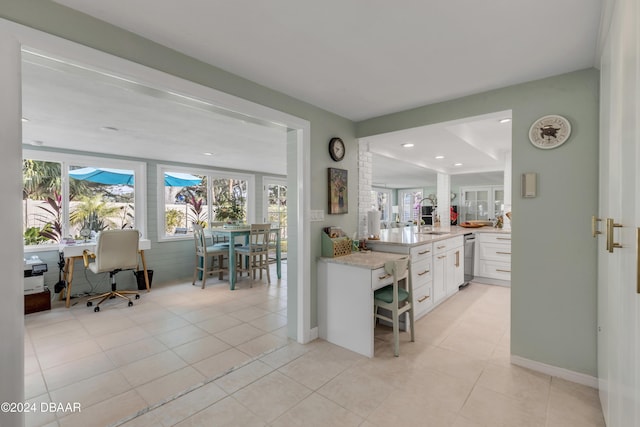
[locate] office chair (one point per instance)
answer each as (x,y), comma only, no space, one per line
(116,250)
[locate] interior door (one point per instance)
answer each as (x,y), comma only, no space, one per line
(619,214)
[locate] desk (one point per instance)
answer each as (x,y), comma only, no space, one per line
(72,253)
(231,234)
(345,298)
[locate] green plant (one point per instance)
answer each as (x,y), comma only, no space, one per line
(172,219)
(53,228)
(198,214)
(94,213)
(32,236)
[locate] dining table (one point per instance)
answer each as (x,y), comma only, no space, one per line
(230,232)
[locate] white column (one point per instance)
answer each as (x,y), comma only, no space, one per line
(365,184)
(443,193)
(11,252)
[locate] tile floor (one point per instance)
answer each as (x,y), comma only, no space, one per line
(183,356)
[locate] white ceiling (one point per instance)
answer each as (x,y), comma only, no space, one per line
(364,58)
(358,59)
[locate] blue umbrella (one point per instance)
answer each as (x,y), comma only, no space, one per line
(125,177)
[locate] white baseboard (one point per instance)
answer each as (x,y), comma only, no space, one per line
(312,335)
(565,374)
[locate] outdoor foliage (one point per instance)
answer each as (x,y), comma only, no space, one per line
(198,214)
(94,213)
(229,199)
(173,218)
(53,228)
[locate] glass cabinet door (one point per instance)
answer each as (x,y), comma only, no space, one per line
(481,203)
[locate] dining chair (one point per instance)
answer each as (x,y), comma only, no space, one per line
(116,250)
(396,299)
(256,252)
(207,253)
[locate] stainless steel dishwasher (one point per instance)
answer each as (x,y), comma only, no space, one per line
(469,249)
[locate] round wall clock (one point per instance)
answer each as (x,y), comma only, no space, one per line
(336,149)
(550,131)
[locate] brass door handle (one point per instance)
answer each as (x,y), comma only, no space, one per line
(423,273)
(423,298)
(611,244)
(457,258)
(594,226)
(384,276)
(424,252)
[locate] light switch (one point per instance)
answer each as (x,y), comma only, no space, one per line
(316,215)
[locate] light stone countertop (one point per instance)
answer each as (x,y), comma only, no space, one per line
(368,259)
(409,236)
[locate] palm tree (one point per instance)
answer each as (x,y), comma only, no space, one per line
(94,213)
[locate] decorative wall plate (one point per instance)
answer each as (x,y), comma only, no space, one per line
(549,131)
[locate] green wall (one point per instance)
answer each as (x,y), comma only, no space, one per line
(553,298)
(553,281)
(58,20)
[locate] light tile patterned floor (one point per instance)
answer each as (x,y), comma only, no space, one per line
(165,359)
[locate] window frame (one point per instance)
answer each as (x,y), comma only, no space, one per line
(209,172)
(388,204)
(401,194)
(66,159)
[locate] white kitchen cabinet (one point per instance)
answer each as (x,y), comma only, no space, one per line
(455,270)
(481,203)
(494,258)
(448,267)
(439,277)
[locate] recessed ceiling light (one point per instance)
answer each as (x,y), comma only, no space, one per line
(407,145)
(37,143)
(505,120)
(110,128)
(208,154)
(439,157)
(24,119)
(457,164)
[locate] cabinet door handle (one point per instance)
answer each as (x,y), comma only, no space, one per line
(424,252)
(503,238)
(503,253)
(423,298)
(611,244)
(594,226)
(442,256)
(423,273)
(503,271)
(384,276)
(440,247)
(457,258)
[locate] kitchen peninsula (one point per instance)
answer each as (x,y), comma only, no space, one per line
(346,283)
(437,259)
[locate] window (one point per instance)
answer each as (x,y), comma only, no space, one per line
(381,201)
(202,197)
(409,201)
(63,194)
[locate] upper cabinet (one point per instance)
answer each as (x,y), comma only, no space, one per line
(481,203)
